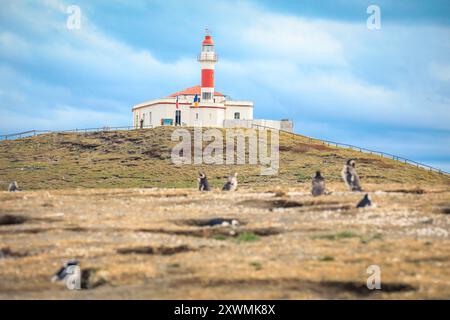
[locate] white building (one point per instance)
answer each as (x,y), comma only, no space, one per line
(200,105)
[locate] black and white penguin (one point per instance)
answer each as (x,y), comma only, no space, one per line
(350,176)
(365,202)
(203,184)
(318,185)
(231,184)
(65,270)
(222,222)
(13,186)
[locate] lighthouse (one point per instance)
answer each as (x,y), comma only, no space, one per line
(215,109)
(207,59)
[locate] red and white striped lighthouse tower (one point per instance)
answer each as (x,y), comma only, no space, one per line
(207,59)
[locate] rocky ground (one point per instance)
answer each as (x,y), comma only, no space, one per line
(152,243)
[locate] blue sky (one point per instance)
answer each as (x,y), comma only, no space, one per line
(315,62)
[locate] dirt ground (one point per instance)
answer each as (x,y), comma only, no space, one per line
(152,244)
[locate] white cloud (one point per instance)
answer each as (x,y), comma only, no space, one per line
(85,69)
(440,71)
(61,118)
(312,70)
(338,70)
(299,40)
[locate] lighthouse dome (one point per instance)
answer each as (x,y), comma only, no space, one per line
(208,41)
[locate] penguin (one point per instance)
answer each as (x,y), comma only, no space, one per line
(222,222)
(365,202)
(318,185)
(203,184)
(65,270)
(13,186)
(350,176)
(231,184)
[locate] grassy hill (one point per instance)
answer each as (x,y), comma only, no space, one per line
(141,158)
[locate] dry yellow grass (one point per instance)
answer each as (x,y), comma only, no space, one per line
(92,197)
(289,245)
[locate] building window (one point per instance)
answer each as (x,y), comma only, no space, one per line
(136,123)
(196,116)
(237,115)
(150,118)
(206,96)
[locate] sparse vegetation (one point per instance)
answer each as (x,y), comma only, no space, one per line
(326,258)
(337,236)
(247,237)
(135,243)
(141,158)
(372,237)
(151,243)
(256,265)
(220,237)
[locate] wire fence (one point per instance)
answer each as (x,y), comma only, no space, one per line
(31,133)
(361,149)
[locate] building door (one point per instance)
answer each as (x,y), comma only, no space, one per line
(178,117)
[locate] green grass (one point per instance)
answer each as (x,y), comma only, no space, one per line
(326,258)
(337,236)
(220,237)
(173,265)
(347,234)
(141,158)
(247,237)
(256,265)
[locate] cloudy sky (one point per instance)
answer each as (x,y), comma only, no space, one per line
(315,62)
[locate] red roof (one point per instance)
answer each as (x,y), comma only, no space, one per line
(208,40)
(192,91)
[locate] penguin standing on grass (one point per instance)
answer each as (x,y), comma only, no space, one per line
(203,184)
(318,185)
(350,176)
(231,184)
(13,186)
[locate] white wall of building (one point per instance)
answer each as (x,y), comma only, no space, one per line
(153,114)
(207,117)
(245,110)
(210,114)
